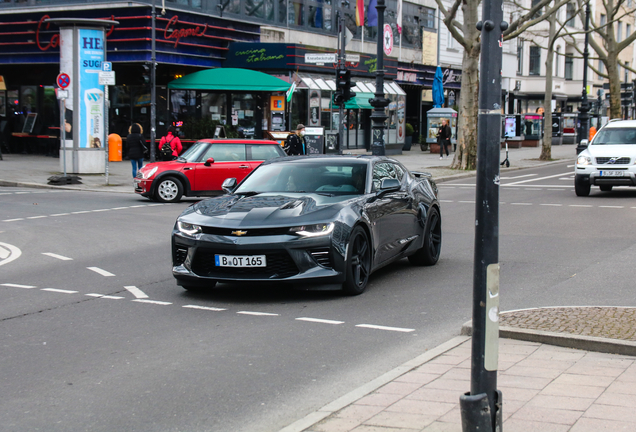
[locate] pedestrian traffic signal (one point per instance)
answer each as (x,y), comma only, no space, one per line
(337,97)
(145,74)
(344,84)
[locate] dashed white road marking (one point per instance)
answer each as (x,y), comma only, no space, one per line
(521,204)
(100,210)
(552,205)
(614,207)
(136,292)
(100,271)
(321,321)
(60,214)
(257,313)
(59,290)
(208,308)
(81,212)
(60,257)
(467,202)
(9,252)
(580,205)
(152,302)
(13,220)
(12,285)
(119,208)
(36,217)
(105,296)
(137,206)
(377,327)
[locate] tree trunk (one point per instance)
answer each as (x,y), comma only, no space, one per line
(614,84)
(466,155)
(546,148)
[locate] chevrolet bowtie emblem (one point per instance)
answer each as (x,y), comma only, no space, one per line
(239,233)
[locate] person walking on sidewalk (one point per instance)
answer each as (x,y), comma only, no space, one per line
(444,138)
(136,145)
(296,144)
(173,148)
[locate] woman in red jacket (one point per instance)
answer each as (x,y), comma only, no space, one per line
(173,142)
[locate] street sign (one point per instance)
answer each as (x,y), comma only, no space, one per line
(106,78)
(61,94)
(63,80)
(107,66)
(320,58)
(352,58)
(388,39)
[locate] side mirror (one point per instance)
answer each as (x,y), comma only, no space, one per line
(389,185)
(584,143)
(209,162)
(228,184)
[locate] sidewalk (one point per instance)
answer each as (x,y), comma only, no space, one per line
(33,171)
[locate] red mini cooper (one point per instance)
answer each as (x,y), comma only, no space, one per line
(201,169)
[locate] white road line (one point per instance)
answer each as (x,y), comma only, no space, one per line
(60,257)
(556,189)
(119,208)
(552,205)
(520,203)
(152,302)
(18,286)
(36,217)
(100,210)
(81,212)
(377,327)
(537,179)
(136,292)
(257,313)
(153,205)
(446,201)
(100,271)
(580,205)
(516,177)
(322,321)
(59,290)
(14,253)
(4,253)
(467,202)
(105,296)
(13,220)
(60,214)
(616,207)
(204,308)
(21,193)
(137,206)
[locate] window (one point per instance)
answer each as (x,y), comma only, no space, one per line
(538,13)
(557,61)
(569,65)
(428,18)
(570,13)
(535,60)
(603,19)
(619,32)
(450,40)
(262,152)
(628,30)
(601,68)
(626,70)
(519,56)
(381,171)
(225,153)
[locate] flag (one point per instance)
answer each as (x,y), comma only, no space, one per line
(372,14)
(399,16)
(291,90)
(359,13)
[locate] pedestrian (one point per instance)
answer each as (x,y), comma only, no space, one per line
(444,138)
(170,145)
(592,132)
(136,144)
(296,143)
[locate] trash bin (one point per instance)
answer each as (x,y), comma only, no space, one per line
(114,148)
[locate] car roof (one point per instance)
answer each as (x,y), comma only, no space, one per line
(620,123)
(331,157)
(238,141)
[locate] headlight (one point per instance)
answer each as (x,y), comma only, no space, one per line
(188,229)
(150,173)
(313,230)
(584,160)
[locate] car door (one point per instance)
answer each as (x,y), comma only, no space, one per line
(389,213)
(229,161)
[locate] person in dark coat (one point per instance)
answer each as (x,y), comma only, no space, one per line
(444,138)
(136,144)
(296,144)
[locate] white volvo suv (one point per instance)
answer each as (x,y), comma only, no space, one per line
(609,159)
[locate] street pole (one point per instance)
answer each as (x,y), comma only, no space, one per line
(481,407)
(341,65)
(379,102)
(584,118)
(153,85)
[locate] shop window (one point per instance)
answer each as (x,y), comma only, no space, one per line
(535,60)
(296,13)
(316,15)
(213,107)
(243,108)
(427,18)
(569,65)
(282,8)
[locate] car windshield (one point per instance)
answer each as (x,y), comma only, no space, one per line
(318,176)
(610,136)
(194,153)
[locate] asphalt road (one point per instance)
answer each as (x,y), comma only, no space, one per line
(97,336)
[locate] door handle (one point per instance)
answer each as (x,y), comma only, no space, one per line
(244,166)
(187,168)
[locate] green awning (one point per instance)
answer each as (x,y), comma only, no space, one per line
(359,101)
(230,79)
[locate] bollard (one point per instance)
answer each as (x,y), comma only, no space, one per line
(114,148)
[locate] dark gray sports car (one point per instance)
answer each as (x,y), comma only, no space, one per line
(321,221)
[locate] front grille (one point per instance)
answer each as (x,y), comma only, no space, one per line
(322,257)
(248,232)
(180,255)
(619,161)
(279,266)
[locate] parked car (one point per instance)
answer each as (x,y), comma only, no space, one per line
(609,159)
(201,169)
(327,220)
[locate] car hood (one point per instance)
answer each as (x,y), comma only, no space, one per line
(266,210)
(607,150)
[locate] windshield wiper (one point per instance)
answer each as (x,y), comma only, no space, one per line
(327,194)
(247,193)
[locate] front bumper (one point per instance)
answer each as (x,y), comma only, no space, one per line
(143,186)
(289,259)
(594,177)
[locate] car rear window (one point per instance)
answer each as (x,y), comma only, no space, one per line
(610,136)
(264,152)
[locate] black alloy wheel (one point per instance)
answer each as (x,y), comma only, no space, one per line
(581,187)
(358,265)
(169,190)
(429,254)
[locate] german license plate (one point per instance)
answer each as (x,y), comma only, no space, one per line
(611,173)
(240,260)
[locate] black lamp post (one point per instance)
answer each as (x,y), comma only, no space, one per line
(379,102)
(584,118)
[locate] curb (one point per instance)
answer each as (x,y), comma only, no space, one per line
(587,343)
(57,187)
(365,389)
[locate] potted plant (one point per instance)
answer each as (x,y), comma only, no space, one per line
(423,143)
(408,134)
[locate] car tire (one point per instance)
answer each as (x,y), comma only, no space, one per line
(429,253)
(169,190)
(581,187)
(199,288)
(358,263)
(606,188)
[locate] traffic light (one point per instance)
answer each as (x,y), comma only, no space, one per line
(337,97)
(344,84)
(145,74)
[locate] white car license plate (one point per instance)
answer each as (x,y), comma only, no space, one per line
(611,173)
(240,260)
